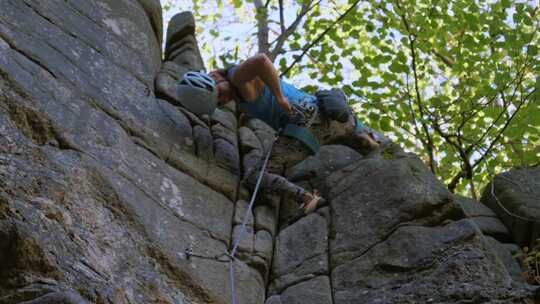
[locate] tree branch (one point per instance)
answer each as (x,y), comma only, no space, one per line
(262,25)
(430,146)
(447,61)
(519,79)
(285,33)
(411,110)
(523,101)
(281,17)
(455,181)
(468,170)
(309,46)
(473,189)
(467,115)
(298,16)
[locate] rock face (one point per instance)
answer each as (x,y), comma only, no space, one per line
(515,197)
(112,193)
(486,220)
(498,236)
(181,55)
(102,186)
(395,236)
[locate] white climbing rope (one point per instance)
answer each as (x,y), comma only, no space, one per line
(247,214)
(501,205)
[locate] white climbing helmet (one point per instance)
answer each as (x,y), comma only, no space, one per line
(197,92)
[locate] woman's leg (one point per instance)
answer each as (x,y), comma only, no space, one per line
(286,153)
(363,139)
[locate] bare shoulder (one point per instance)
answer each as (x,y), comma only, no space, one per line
(250,69)
(246,77)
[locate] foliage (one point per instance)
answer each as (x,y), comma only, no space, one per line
(530,259)
(455,81)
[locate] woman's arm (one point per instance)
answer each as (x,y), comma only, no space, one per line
(251,76)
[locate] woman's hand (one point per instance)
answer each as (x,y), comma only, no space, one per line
(283,102)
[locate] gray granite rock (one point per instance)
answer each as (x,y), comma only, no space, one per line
(220,131)
(153,11)
(265,219)
(329,159)
(203,120)
(182,24)
(377,195)
(301,251)
(230,106)
(273,300)
(265,138)
(174,71)
(246,240)
(101,187)
(181,55)
(167,82)
(251,161)
(516,192)
(175,132)
(206,172)
(225,118)
(243,193)
(492,226)
(124,31)
(264,244)
(398,235)
(248,140)
(259,125)
(486,220)
(474,208)
(249,283)
(413,261)
(104,188)
(506,253)
(314,291)
(204,143)
(227,155)
(181,44)
(240,210)
(259,264)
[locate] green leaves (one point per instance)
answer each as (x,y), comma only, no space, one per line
(384,124)
(397,67)
(448,72)
(237,3)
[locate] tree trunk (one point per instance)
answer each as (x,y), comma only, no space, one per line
(262,26)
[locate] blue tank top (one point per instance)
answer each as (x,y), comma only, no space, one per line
(266,108)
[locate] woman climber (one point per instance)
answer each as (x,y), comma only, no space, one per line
(303,120)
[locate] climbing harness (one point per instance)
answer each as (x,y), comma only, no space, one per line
(304,113)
